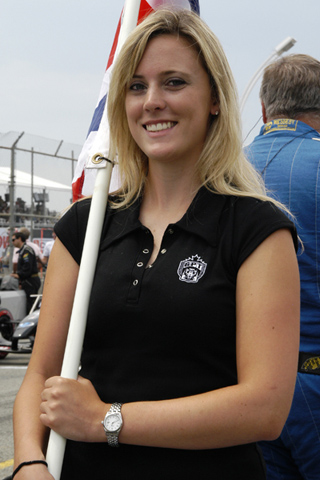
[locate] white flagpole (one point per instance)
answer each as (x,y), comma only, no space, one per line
(71,361)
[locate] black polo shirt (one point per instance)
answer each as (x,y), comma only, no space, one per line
(170,330)
(179,314)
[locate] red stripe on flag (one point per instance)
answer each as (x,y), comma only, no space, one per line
(114,45)
(77,188)
(145,10)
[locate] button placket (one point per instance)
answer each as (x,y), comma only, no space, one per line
(138,269)
(167,240)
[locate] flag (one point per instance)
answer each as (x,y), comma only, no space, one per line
(84,178)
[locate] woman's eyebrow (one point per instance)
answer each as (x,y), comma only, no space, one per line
(164,73)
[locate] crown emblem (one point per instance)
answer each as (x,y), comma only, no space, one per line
(191,269)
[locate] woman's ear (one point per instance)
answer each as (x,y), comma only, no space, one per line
(215,108)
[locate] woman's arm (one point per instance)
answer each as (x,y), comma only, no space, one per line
(255,409)
(30,436)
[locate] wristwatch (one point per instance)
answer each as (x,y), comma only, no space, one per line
(112,424)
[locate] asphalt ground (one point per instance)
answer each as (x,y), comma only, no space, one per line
(12,371)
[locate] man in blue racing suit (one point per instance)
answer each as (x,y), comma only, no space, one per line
(287,154)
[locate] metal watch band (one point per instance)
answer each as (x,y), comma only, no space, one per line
(115,408)
(112,437)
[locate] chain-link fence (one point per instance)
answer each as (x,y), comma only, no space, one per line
(35,184)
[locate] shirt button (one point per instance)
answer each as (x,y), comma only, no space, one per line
(170,230)
(145,251)
(163,251)
(140,264)
(135,282)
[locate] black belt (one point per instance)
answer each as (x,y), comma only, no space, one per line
(309,363)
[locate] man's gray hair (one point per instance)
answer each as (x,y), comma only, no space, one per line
(291,87)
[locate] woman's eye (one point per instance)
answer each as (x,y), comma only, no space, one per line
(136,87)
(176,82)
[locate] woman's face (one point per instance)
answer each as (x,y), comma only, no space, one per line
(169,101)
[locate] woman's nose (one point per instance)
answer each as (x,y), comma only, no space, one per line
(154,99)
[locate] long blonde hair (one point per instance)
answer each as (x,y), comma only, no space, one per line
(222,166)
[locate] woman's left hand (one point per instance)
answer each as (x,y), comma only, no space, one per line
(73,409)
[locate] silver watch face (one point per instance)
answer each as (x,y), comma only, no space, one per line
(113,422)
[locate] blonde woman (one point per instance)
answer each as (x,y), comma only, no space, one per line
(191,358)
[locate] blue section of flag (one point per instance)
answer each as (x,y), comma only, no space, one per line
(195,6)
(96,119)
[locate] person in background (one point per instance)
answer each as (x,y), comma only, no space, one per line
(33,245)
(27,270)
(5,259)
(287,153)
(195,300)
(47,249)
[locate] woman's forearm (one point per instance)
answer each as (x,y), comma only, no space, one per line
(30,436)
(230,416)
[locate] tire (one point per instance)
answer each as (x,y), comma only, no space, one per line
(6,326)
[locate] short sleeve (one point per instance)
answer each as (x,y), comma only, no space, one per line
(256,220)
(71,228)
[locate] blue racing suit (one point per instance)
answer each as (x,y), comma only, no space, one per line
(287,154)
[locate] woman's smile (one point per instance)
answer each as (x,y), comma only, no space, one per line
(159,127)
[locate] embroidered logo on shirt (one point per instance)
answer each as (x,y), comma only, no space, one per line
(191,269)
(279,125)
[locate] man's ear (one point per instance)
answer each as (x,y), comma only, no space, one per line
(264,116)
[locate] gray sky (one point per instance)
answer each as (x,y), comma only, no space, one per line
(53,55)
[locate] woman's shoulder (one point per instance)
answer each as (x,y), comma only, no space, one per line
(251,221)
(81,208)
(248,213)
(237,210)
(249,209)
(244,207)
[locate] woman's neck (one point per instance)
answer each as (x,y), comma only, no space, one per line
(167,189)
